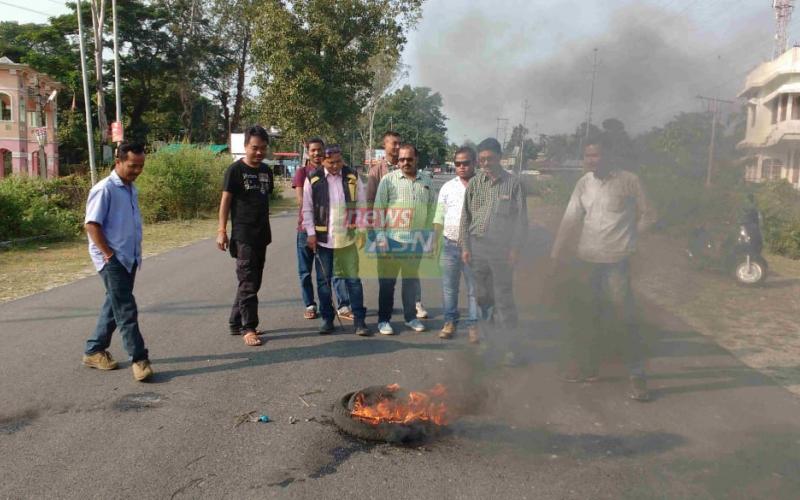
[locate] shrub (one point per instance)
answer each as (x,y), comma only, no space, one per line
(554,190)
(34,207)
(779,203)
(180,184)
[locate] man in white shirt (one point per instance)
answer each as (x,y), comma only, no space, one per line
(447,224)
(610,208)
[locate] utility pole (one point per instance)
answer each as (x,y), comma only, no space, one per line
(591,96)
(713,107)
(590,109)
(783,16)
(41,130)
(504,121)
(86,100)
(525,108)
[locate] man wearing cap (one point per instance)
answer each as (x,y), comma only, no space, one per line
(331,196)
(315,149)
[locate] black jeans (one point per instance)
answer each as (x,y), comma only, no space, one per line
(392,263)
(119,310)
(249,271)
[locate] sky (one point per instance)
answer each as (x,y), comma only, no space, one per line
(487,58)
(32,11)
(654,58)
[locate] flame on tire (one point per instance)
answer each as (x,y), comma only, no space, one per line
(416,407)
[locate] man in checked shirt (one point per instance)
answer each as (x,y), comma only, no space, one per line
(494,227)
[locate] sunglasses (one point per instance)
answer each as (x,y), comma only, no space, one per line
(463,163)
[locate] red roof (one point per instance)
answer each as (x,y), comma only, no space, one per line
(286,155)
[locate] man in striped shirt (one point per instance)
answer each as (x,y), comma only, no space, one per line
(494,227)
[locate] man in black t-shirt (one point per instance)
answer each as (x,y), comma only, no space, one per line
(245,196)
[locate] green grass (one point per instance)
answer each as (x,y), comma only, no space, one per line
(35,267)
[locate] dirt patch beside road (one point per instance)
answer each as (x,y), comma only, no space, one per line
(760,326)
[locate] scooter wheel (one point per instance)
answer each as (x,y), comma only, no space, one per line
(753,274)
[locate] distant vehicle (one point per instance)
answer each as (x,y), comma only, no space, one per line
(737,250)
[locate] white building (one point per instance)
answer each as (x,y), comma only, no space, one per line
(772,140)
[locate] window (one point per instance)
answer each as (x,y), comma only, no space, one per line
(796,107)
(784,106)
(775,111)
(7,169)
(753,109)
(35,120)
(771,169)
(5,107)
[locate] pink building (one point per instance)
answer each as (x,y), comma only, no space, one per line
(27,104)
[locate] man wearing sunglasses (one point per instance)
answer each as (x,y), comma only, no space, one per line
(391,146)
(406,201)
(447,223)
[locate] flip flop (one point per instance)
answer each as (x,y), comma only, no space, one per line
(251,339)
(309,314)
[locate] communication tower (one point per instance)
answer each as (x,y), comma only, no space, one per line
(783,14)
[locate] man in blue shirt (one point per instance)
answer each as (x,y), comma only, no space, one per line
(114,227)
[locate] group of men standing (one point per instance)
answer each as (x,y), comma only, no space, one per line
(477,225)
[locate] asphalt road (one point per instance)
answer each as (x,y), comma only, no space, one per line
(715,429)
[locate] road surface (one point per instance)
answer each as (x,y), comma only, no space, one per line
(715,429)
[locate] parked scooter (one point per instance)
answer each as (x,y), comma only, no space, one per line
(738,251)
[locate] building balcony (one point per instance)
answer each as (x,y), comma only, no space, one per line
(785,131)
(786,63)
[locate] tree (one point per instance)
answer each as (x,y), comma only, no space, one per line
(531,149)
(416,114)
(232,32)
(313,59)
(387,71)
(98,27)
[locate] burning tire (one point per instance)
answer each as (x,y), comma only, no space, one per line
(391,432)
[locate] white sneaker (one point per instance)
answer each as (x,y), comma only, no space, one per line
(385,328)
(416,325)
(422,313)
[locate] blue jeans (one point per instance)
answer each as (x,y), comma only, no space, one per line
(614,307)
(452,268)
(305,263)
(602,317)
(119,310)
(342,262)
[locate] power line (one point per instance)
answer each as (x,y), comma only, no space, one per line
(26,8)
